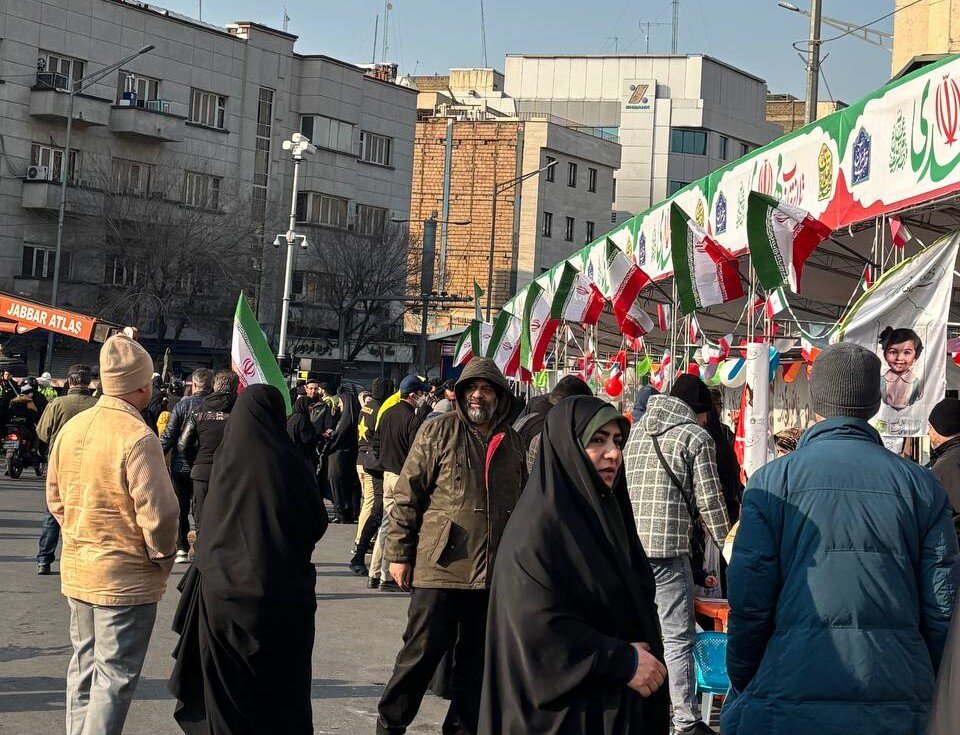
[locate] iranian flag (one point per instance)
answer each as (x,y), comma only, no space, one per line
(250,354)
(663,317)
(899,232)
(625,280)
(463,350)
(781,237)
(576,299)
(504,345)
(538,328)
(776,302)
(705,273)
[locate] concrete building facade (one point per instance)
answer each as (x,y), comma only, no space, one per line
(923,28)
(790,113)
(189,132)
(676,117)
(538,221)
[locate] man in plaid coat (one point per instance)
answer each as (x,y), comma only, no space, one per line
(672,477)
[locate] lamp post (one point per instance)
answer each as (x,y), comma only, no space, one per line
(297,145)
(498,189)
(75,87)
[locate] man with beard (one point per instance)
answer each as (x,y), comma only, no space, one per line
(457,488)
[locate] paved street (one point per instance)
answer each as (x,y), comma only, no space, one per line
(358,635)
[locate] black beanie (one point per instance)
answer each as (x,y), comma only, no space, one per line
(692,391)
(945,417)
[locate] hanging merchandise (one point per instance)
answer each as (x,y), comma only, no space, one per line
(538,328)
(903,318)
(731,372)
(693,329)
(781,237)
(774,363)
(644,366)
(867,280)
(705,273)
(756,432)
(776,302)
(791,371)
(614,384)
(575,298)
(663,317)
(624,281)
(662,377)
(504,345)
(899,233)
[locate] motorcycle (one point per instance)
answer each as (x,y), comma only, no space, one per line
(21,451)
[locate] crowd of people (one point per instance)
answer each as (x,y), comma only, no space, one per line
(551,550)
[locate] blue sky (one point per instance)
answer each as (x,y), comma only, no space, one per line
(430,36)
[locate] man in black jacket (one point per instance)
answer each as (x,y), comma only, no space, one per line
(944,436)
(203,433)
(371,477)
(179,469)
(529,425)
(394,436)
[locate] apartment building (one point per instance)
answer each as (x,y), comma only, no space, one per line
(923,29)
(677,117)
(177,180)
(790,113)
(539,220)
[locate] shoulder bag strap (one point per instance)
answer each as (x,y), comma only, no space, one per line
(687,499)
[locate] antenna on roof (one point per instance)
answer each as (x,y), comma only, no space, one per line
(376,27)
(200,10)
(387,7)
(483,35)
(286,19)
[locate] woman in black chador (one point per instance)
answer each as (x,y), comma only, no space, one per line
(246,614)
(573,639)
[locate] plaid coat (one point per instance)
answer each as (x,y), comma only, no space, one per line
(663,520)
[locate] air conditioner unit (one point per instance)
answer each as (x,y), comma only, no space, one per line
(38,173)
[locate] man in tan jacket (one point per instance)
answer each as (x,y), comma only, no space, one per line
(108,488)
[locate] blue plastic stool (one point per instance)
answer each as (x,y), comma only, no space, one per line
(710,656)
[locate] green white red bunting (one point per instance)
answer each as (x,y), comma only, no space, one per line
(250,353)
(504,345)
(625,280)
(706,274)
(781,237)
(575,298)
(538,328)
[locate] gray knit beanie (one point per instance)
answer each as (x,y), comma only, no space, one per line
(845,382)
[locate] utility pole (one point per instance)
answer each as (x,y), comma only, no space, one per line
(675,44)
(426,282)
(813,61)
(447,176)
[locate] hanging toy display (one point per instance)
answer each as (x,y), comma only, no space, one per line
(614,384)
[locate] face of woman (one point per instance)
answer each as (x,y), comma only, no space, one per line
(901,356)
(605,450)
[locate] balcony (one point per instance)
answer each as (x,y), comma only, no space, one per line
(148,120)
(40,195)
(49,100)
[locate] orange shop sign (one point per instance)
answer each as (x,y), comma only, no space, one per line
(28,314)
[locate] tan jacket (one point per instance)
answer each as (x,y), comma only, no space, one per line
(108,488)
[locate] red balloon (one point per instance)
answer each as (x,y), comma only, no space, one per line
(614,387)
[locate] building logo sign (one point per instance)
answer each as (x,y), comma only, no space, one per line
(640,96)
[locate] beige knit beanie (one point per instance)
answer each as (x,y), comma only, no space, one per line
(124,366)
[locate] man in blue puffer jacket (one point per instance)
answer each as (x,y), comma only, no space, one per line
(843,577)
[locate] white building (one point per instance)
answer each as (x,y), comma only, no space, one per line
(194,125)
(677,117)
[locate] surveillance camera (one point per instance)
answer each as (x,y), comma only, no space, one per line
(304,243)
(298,138)
(278,241)
(310,148)
(287,145)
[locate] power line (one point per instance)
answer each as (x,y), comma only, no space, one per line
(872,22)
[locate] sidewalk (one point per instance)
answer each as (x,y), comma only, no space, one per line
(358,636)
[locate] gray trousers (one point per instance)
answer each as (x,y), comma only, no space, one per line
(109,645)
(379,566)
(674,579)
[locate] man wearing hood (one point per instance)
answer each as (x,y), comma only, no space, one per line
(672,478)
(458,486)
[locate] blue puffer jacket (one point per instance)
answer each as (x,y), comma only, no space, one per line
(842,584)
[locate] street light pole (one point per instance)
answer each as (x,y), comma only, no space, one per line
(297,145)
(813,61)
(498,189)
(76,86)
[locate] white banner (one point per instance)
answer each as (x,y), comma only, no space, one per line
(903,318)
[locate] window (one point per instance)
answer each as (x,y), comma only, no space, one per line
(688,141)
(551,172)
(192,282)
(38,262)
(207,108)
(130,177)
(568,230)
(723,147)
(548,224)
(571,174)
(55,71)
(744,149)
(371,220)
(311,287)
(673,186)
(326,132)
(321,209)
(138,89)
(120,271)
(375,148)
(261,156)
(201,190)
(591,226)
(591,179)
(52,158)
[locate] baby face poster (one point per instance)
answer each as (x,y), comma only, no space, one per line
(903,318)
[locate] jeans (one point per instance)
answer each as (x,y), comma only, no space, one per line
(49,538)
(435,618)
(183,486)
(379,566)
(674,579)
(109,645)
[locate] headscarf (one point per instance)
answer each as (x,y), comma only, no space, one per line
(564,588)
(345,435)
(263,512)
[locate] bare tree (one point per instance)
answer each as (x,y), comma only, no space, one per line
(176,246)
(360,283)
